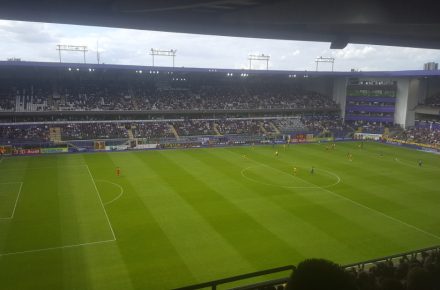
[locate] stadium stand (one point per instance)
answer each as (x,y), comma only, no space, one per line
(107,98)
(422,133)
(164,129)
(82,115)
(433,101)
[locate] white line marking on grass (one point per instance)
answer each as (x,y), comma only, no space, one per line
(16,200)
(115,184)
(286,186)
(365,207)
(55,248)
(102,204)
(383,214)
(413,165)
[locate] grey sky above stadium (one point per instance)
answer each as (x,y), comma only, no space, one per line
(32,41)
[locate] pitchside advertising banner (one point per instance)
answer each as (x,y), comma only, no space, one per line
(26,151)
(34,151)
(54,150)
(367,136)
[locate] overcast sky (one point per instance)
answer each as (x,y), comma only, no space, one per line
(32,41)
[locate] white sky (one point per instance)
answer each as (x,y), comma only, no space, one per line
(32,41)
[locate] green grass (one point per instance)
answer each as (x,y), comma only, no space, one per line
(180,217)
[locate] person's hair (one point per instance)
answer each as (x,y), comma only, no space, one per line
(418,279)
(319,274)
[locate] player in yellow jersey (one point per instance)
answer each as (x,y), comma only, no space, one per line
(295,171)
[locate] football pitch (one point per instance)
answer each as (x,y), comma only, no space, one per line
(180,217)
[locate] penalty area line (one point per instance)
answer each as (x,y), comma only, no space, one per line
(16,200)
(102,204)
(56,248)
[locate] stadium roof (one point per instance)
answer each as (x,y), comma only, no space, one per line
(390,22)
(147,69)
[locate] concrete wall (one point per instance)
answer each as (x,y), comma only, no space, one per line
(409,94)
(339,93)
(401,101)
(416,91)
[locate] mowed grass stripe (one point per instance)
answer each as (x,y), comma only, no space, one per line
(173,197)
(384,185)
(384,178)
(6,176)
(332,216)
(260,203)
(196,241)
(144,251)
(428,237)
(384,188)
(35,225)
(248,236)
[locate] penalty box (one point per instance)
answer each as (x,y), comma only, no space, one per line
(58,208)
(9,196)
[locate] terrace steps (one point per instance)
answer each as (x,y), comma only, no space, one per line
(217,132)
(174,131)
(277,131)
(55,134)
(130,133)
(260,124)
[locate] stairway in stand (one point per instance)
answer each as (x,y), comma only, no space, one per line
(215,127)
(173,130)
(55,134)
(277,131)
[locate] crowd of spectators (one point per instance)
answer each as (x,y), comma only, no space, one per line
(424,132)
(24,132)
(7,103)
(429,136)
(88,131)
(420,272)
(97,98)
(326,124)
(194,128)
(433,101)
(151,130)
(410,272)
(372,127)
(330,125)
(290,125)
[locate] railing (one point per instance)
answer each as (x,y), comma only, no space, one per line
(214,284)
(179,112)
(392,257)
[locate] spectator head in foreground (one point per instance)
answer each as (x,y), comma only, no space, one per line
(319,274)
